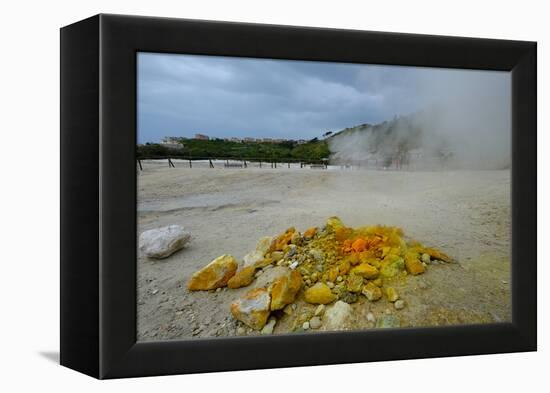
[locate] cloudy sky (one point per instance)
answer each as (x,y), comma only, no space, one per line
(180,95)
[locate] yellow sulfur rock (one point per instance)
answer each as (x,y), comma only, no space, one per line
(310,232)
(334,223)
(264,262)
(392,265)
(264,244)
(283,240)
(332,274)
(371,292)
(214,275)
(392,294)
(319,294)
(242,278)
(436,254)
(284,289)
(252,309)
(343,268)
(354,283)
(365,270)
(413,264)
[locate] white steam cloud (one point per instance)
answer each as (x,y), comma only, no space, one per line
(464,123)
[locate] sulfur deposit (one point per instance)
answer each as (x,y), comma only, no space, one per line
(333,266)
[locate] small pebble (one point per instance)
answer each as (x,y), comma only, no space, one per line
(258,273)
(268,328)
(315,323)
(305,326)
(423,284)
(339,278)
(426,258)
(218,289)
(400,304)
(387,311)
(240,331)
(294,265)
(320,310)
(330,284)
(370,317)
(288,309)
(391,294)
(154,291)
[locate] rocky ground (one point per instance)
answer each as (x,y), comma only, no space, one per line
(465,214)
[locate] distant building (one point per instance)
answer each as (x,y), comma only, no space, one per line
(249,139)
(171,142)
(301,141)
(202,137)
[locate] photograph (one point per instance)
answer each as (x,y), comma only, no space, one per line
(284,196)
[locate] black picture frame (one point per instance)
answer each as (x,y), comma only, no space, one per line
(98,195)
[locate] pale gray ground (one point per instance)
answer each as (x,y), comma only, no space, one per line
(464,214)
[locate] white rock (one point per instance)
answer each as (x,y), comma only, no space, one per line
(305,326)
(258,254)
(270,275)
(252,258)
(400,304)
(264,244)
(370,317)
(294,265)
(338,317)
(315,323)
(163,242)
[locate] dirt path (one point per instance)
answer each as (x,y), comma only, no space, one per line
(465,214)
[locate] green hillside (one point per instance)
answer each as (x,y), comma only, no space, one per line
(313,150)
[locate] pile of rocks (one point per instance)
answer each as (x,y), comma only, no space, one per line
(333,265)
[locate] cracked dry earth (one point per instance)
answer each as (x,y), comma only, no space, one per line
(465,214)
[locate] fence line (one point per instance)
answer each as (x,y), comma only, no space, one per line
(235,162)
(414,162)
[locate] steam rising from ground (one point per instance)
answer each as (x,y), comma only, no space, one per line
(464,123)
